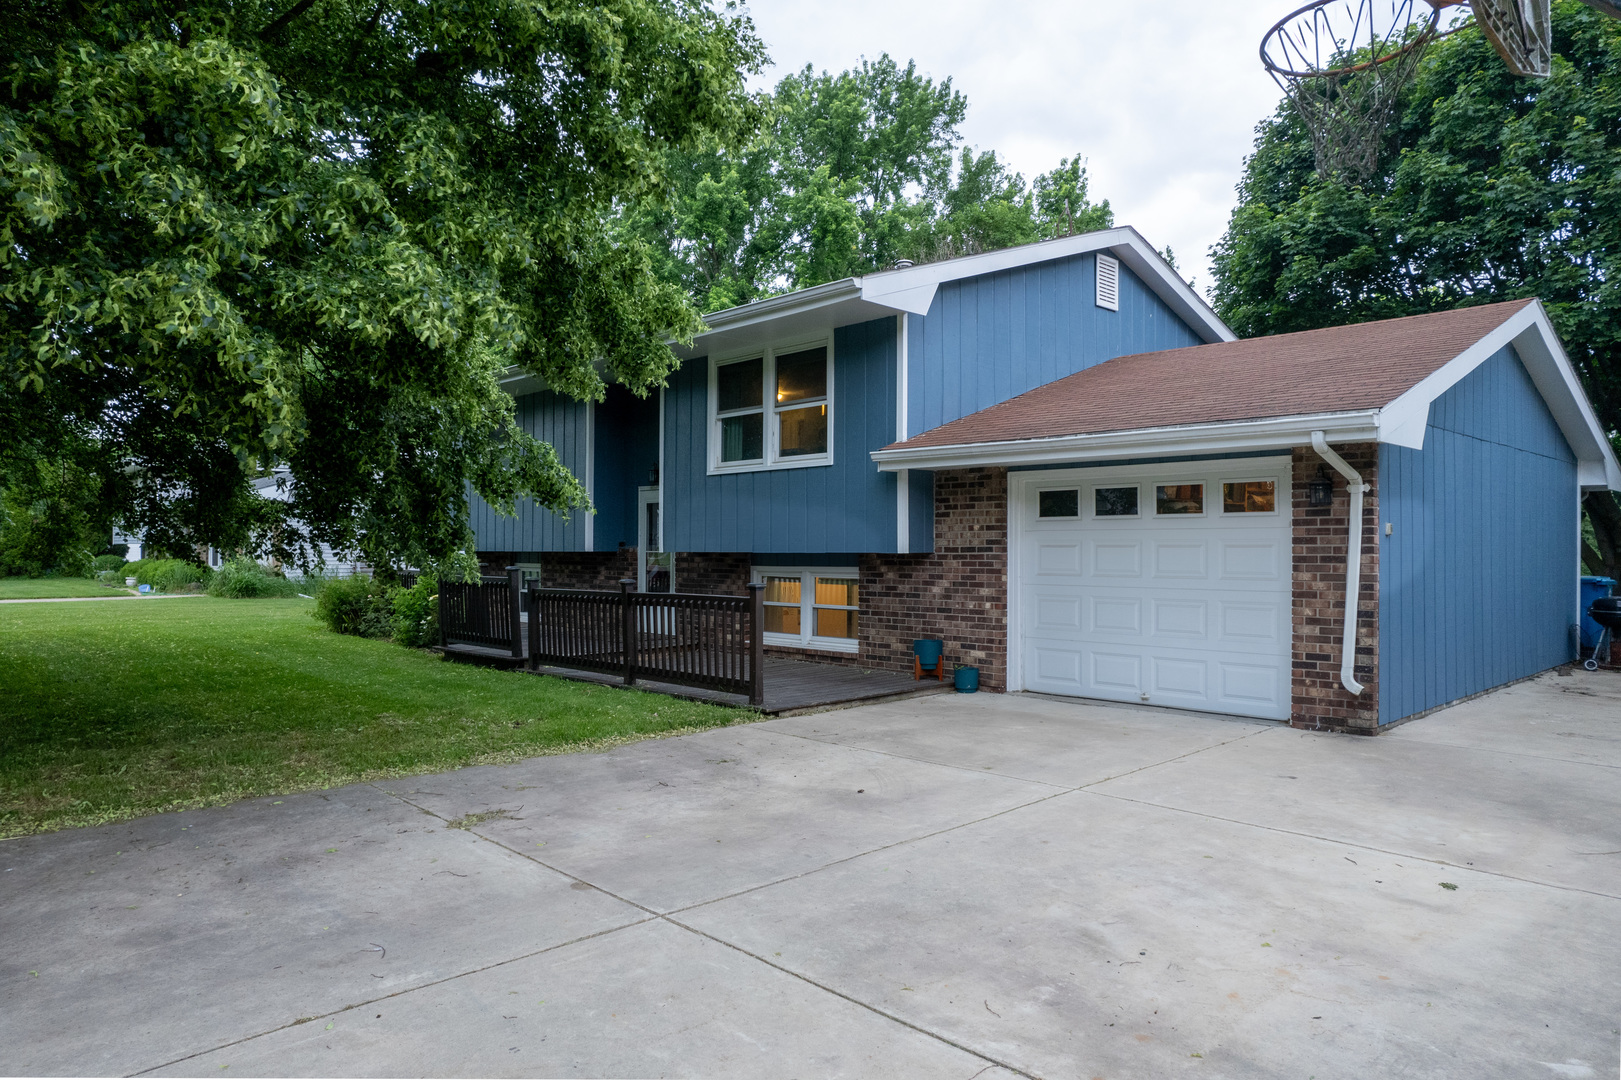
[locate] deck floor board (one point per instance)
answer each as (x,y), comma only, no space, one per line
(790,685)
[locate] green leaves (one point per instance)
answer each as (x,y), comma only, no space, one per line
(1493,188)
(852,172)
(237,236)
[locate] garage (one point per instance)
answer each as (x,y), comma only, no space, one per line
(1163,584)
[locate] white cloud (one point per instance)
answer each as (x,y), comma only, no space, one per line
(1162,99)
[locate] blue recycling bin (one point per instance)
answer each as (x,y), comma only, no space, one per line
(1592,589)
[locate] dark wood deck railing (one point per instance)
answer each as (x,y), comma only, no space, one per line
(686,639)
(488,613)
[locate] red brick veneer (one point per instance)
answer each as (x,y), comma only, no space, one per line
(1320,702)
(587,569)
(714,573)
(958,593)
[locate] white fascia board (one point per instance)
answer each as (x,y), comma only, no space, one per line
(1228,437)
(518,382)
(1529,330)
(776,307)
(911,289)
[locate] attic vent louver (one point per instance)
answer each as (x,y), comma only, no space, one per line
(1108,283)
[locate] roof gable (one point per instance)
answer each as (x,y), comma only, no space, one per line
(911,290)
(1367,381)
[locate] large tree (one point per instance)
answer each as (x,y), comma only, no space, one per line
(1490,187)
(852,172)
(237,235)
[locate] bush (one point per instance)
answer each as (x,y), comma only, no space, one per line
(107,562)
(356,605)
(168,575)
(416,613)
(242,578)
(111,577)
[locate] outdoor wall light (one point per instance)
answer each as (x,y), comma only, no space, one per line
(1320,492)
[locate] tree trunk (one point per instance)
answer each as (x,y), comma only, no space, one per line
(1604,555)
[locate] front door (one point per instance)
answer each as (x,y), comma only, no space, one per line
(654,566)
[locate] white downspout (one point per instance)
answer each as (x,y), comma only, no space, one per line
(1353,560)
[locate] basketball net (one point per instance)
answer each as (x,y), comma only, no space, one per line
(1343,63)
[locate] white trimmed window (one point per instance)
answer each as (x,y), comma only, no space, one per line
(772,409)
(815,607)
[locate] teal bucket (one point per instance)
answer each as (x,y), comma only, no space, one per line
(966,680)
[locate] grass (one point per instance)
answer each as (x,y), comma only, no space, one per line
(114,711)
(22,588)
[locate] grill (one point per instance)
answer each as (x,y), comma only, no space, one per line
(1606,611)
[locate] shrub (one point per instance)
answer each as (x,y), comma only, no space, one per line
(356,605)
(416,613)
(168,575)
(107,562)
(242,578)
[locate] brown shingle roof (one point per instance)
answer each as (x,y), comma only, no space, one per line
(1340,369)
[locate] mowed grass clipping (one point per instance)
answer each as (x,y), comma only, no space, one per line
(22,588)
(113,711)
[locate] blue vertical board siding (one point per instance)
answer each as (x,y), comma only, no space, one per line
(627,452)
(993,337)
(846,506)
(562,422)
(1477,584)
(920,505)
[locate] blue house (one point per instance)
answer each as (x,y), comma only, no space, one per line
(1059,460)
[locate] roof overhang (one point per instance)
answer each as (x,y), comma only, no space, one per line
(911,290)
(1402,422)
(1233,436)
(1529,330)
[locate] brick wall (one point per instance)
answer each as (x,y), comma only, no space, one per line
(1320,702)
(587,569)
(959,593)
(714,573)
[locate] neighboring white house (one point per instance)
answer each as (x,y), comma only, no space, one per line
(267,487)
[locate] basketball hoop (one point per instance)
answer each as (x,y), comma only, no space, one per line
(1343,64)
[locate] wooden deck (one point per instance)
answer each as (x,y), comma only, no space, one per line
(790,685)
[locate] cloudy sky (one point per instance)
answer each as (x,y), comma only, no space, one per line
(1161,98)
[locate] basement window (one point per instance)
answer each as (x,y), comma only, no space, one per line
(812,607)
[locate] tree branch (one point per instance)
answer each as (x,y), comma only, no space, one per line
(284,18)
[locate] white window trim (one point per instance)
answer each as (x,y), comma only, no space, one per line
(768,379)
(807,605)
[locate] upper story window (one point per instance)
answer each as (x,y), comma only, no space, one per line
(773,410)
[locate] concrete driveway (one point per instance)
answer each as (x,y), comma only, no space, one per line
(954,886)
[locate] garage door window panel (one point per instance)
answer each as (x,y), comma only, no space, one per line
(1115,502)
(1174,499)
(1064,503)
(1249,497)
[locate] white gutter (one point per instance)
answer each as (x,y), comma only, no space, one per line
(1353,560)
(1230,436)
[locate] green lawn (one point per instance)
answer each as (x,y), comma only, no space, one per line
(113,711)
(22,588)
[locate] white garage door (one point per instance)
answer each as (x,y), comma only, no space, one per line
(1165,584)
